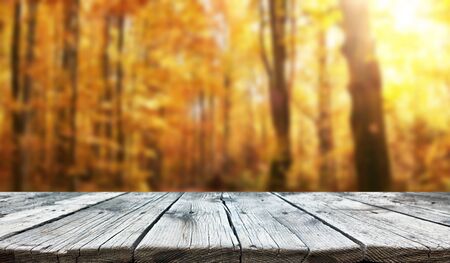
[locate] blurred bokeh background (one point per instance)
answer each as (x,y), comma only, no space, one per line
(298,95)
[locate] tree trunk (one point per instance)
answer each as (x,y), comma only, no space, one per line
(27,93)
(226,159)
(154,164)
(421,141)
(103,126)
(119,99)
(201,138)
(73,65)
(324,126)
(211,149)
(108,92)
(66,130)
(17,124)
(22,113)
(279,96)
(367,120)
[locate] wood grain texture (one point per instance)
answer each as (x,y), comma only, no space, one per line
(13,202)
(106,232)
(47,208)
(434,208)
(387,236)
(195,229)
(224,227)
(271,230)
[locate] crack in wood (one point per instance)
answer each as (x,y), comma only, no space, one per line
(230,222)
(149,227)
(234,227)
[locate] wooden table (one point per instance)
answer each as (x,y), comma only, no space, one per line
(224,227)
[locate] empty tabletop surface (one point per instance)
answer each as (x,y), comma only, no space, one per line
(224,227)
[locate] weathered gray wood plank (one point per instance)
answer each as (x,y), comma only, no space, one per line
(387,236)
(271,230)
(54,208)
(444,195)
(13,202)
(433,208)
(107,232)
(233,227)
(195,229)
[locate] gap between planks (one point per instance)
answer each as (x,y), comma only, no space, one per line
(134,241)
(230,220)
(145,232)
(421,212)
(432,238)
(137,242)
(61,215)
(361,244)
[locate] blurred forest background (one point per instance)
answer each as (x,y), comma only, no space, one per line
(151,95)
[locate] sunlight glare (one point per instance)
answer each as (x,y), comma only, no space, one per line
(405,13)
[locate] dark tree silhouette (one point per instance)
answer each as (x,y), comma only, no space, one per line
(279,93)
(66,128)
(17,124)
(367,119)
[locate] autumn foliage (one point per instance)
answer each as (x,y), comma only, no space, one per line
(149,95)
